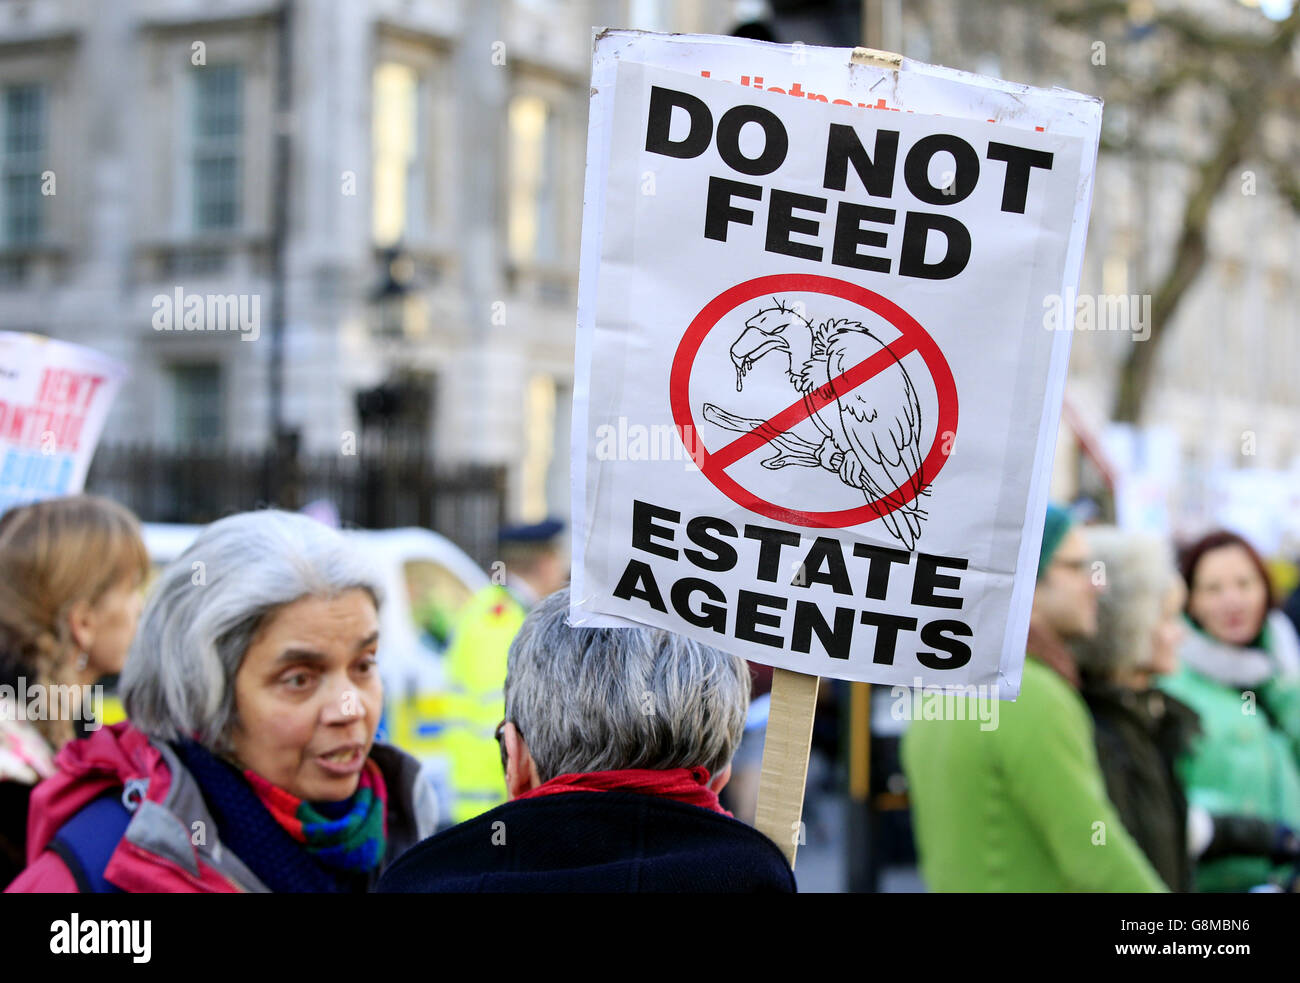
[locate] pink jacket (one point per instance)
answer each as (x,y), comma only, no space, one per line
(156,853)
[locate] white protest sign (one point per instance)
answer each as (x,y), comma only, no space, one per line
(54,397)
(825,283)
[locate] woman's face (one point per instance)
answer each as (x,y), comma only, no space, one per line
(106,628)
(1169,631)
(308,696)
(1229,598)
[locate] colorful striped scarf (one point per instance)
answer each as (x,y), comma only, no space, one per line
(350,835)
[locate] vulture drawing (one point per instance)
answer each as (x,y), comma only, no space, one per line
(871,434)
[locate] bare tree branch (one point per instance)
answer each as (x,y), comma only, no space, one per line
(1285,181)
(1239,135)
(1189,30)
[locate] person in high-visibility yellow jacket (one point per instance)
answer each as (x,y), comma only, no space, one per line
(531,567)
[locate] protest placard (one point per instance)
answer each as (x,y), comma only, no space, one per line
(54,398)
(874,285)
(826,280)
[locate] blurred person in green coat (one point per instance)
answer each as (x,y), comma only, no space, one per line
(1022,806)
(1240,672)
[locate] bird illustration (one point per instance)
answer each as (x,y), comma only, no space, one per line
(871,435)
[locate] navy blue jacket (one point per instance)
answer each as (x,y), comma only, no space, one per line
(593,842)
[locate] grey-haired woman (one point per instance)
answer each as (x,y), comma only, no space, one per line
(249,762)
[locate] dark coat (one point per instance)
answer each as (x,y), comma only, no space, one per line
(14,798)
(594,842)
(15,789)
(1139,735)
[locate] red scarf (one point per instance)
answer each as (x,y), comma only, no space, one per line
(689,785)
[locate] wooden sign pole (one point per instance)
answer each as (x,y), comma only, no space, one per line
(794,694)
(785,759)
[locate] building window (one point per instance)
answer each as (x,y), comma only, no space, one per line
(218,130)
(197,398)
(397,205)
(22,147)
(539,446)
(534,212)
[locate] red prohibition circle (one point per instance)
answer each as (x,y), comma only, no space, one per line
(912,333)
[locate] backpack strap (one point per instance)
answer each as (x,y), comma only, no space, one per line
(87,841)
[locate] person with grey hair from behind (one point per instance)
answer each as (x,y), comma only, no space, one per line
(249,762)
(1141,733)
(614,745)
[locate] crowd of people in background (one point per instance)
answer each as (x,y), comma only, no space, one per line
(1156,742)
(1154,745)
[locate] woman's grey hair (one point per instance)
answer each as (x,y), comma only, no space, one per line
(598,699)
(1137,571)
(210,603)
